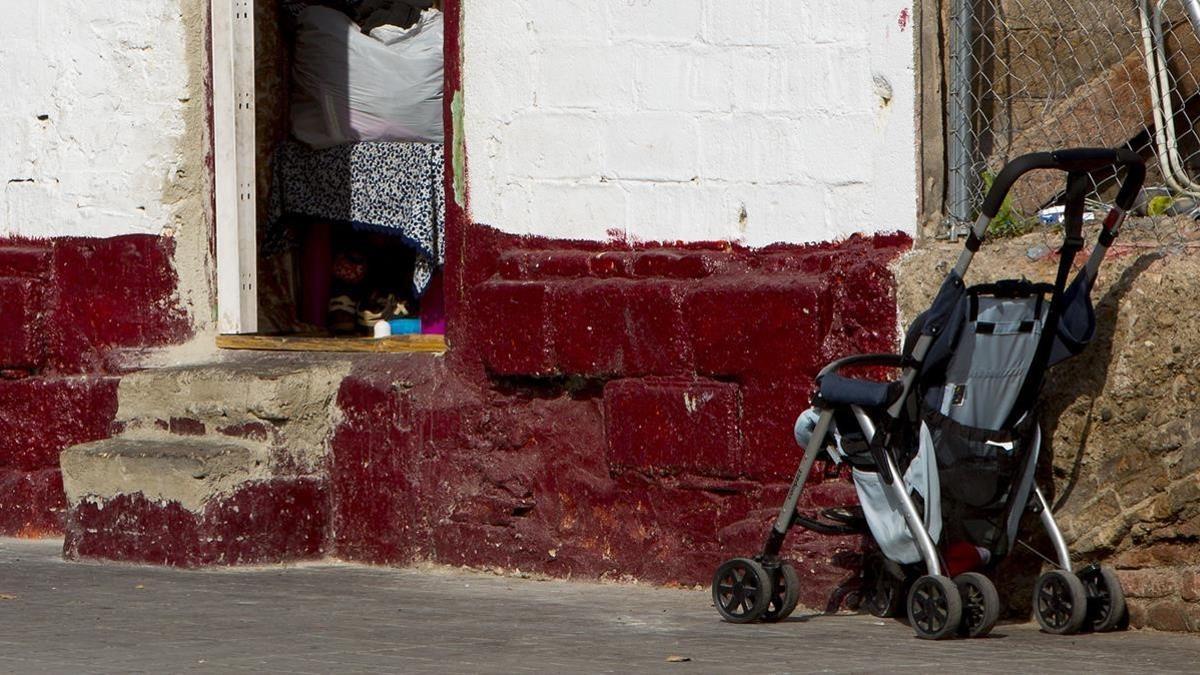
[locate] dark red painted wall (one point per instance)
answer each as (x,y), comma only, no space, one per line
(68,307)
(608,410)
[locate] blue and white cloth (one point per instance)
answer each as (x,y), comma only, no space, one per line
(390,187)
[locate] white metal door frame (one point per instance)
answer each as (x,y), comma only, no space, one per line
(234,163)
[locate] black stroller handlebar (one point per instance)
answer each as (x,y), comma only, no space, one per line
(1074,160)
(894,360)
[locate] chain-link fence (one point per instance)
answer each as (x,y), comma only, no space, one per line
(1031,75)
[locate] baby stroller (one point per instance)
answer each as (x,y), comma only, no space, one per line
(943,458)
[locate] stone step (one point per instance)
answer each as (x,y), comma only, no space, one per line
(191,471)
(254,388)
(279,402)
(188,502)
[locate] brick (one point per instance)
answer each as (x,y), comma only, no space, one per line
(579,210)
(756,326)
(32,503)
(618,328)
(112,293)
(24,261)
(1167,615)
(571,74)
(738,23)
(651,146)
(543,264)
(511,328)
(671,21)
(554,145)
(1148,583)
(39,417)
(672,426)
(695,80)
(22,340)
(671,265)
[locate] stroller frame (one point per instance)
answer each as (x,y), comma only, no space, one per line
(764,587)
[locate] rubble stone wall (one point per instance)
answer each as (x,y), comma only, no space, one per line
(1121,419)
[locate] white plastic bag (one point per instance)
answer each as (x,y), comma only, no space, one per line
(349,86)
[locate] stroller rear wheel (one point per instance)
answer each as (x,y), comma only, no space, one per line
(1060,602)
(934,607)
(981,604)
(785,594)
(1106,599)
(741,590)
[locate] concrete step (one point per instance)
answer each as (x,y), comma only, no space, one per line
(281,403)
(189,471)
(189,502)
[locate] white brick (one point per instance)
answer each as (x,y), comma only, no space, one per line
(597,77)
(557,19)
(744,22)
(781,213)
(753,149)
(670,212)
(551,145)
(677,21)
(825,78)
(693,80)
(579,210)
(652,146)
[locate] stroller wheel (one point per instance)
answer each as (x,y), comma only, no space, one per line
(1106,599)
(934,607)
(785,594)
(981,604)
(741,590)
(1060,602)
(882,591)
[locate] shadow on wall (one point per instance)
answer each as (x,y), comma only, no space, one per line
(1074,386)
(1084,382)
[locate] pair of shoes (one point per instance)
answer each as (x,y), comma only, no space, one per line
(382,306)
(342,309)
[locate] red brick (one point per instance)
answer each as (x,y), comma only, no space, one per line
(618,328)
(757,325)
(22,340)
(24,260)
(674,426)
(674,265)
(1148,583)
(39,417)
(31,503)
(111,294)
(770,409)
(511,328)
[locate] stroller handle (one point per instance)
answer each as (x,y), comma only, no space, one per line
(1074,160)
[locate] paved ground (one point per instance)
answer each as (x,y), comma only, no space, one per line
(70,617)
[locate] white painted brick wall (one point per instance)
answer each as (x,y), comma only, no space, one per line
(756,121)
(109,77)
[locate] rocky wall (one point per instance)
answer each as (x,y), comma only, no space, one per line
(1122,427)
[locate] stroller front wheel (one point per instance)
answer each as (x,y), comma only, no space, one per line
(934,607)
(981,604)
(1060,602)
(785,594)
(741,590)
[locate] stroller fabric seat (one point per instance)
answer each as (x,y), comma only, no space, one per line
(847,391)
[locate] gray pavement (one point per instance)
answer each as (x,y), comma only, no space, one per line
(335,618)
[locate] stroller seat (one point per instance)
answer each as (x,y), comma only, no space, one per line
(840,390)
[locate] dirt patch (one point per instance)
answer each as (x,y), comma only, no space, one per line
(1121,420)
